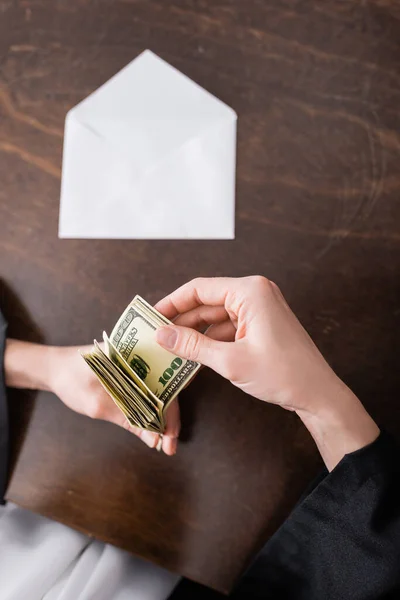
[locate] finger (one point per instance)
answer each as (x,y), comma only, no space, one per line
(172,429)
(150,438)
(223,332)
(190,344)
(202,317)
(169,445)
(209,291)
(173,420)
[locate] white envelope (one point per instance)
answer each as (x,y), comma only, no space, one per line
(150,154)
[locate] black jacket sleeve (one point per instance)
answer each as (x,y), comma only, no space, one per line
(341,542)
(3,414)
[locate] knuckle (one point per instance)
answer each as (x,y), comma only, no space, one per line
(191,346)
(260,285)
(94,410)
(260,282)
(126,425)
(275,287)
(197,281)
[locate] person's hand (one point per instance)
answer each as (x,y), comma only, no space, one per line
(256,342)
(78,387)
(265,350)
(63,371)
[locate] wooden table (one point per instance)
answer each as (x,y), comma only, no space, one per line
(317,89)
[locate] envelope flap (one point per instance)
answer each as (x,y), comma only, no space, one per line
(150,109)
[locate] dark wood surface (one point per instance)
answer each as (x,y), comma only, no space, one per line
(317,89)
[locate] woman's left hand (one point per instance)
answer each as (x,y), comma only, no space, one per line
(76,385)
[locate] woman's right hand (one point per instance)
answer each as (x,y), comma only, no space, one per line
(256,342)
(269,355)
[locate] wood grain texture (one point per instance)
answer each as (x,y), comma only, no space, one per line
(317,89)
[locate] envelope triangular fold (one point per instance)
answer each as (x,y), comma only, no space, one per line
(150,154)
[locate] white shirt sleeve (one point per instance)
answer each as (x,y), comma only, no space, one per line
(44,560)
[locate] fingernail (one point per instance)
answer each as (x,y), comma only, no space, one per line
(174,446)
(170,446)
(166,336)
(149,438)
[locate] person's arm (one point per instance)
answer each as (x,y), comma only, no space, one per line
(27,365)
(257,343)
(343,540)
(340,426)
(62,370)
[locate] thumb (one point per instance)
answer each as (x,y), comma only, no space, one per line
(189,343)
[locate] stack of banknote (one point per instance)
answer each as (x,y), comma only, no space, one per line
(141,377)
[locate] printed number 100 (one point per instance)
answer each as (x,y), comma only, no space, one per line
(168,373)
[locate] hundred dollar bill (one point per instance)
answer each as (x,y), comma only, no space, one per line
(134,336)
(140,376)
